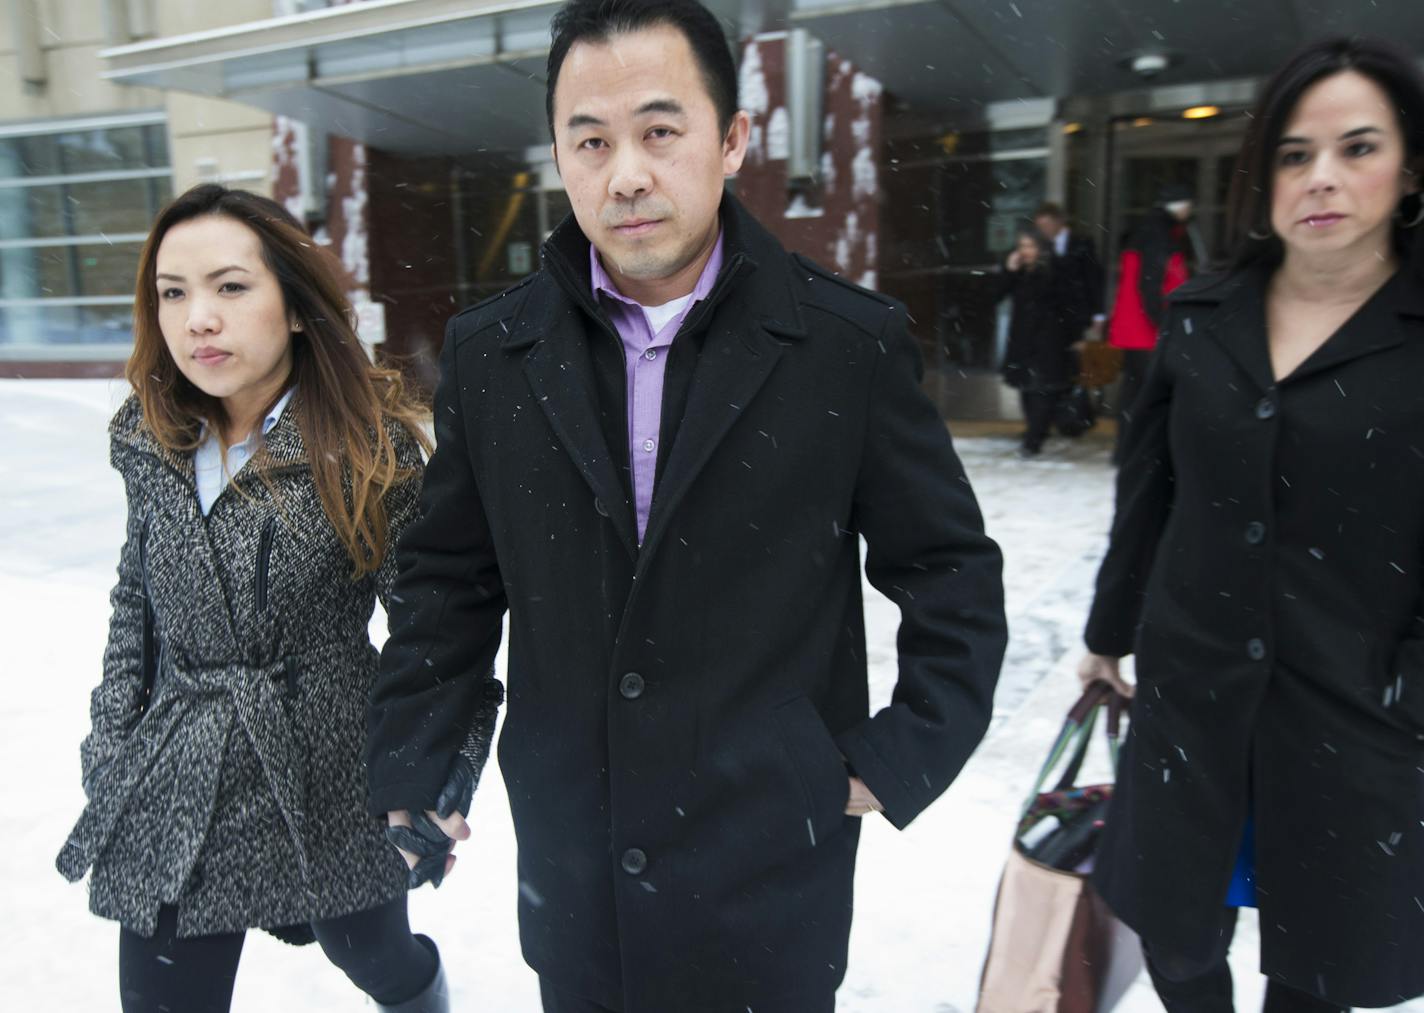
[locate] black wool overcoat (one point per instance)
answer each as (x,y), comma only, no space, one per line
(681,712)
(1270,539)
(1046,317)
(1081,261)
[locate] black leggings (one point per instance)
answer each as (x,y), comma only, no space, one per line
(196,974)
(1193,986)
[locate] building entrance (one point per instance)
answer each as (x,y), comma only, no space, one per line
(1149,152)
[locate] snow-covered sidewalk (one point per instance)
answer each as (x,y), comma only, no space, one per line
(923,897)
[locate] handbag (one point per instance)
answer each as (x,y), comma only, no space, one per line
(1099,364)
(1075,413)
(1055,946)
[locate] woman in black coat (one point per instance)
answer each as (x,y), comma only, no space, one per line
(1265,568)
(1044,322)
(269,469)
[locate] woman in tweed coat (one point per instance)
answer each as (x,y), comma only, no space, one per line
(269,470)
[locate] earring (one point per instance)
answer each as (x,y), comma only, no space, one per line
(1260,235)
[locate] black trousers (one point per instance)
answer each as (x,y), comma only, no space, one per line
(1038,409)
(374,948)
(1134,371)
(556,1000)
(1190,986)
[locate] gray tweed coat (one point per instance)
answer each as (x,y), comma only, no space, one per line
(239,795)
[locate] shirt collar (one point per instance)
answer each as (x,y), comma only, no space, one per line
(277,409)
(603,284)
(273,417)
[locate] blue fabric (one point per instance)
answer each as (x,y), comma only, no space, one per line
(1242,891)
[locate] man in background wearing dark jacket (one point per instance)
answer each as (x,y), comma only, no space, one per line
(659,455)
(1078,258)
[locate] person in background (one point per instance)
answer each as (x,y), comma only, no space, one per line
(1265,568)
(1046,317)
(269,470)
(1078,257)
(1157,258)
(659,456)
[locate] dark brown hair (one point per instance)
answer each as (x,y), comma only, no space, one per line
(343,401)
(1249,206)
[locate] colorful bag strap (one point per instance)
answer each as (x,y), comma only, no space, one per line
(1077,734)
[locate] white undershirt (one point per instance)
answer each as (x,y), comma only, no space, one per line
(658,316)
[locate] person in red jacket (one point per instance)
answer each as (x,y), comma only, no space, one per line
(1156,259)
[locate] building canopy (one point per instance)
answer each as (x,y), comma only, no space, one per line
(456,76)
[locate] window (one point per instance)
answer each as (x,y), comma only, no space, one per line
(76,201)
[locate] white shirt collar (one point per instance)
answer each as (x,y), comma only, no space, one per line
(273,417)
(275,414)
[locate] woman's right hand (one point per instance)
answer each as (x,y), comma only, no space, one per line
(1103,668)
(1014,262)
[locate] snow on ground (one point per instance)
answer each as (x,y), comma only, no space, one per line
(923,897)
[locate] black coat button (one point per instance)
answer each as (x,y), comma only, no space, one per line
(1255,533)
(631,686)
(1256,648)
(600,508)
(1265,409)
(635,862)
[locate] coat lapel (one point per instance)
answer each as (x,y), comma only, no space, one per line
(1238,325)
(1374,327)
(192,558)
(749,315)
(559,370)
(733,366)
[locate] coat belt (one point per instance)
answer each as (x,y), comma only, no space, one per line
(245,696)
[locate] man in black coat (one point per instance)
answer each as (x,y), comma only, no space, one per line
(1077,257)
(659,454)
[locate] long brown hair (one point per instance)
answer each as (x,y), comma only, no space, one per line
(343,401)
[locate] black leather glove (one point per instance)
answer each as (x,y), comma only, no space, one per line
(459,790)
(424,838)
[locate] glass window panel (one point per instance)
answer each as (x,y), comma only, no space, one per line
(107,150)
(56,272)
(72,209)
(28,156)
(106,269)
(985,203)
(81,151)
(52,268)
(78,209)
(65,325)
(111,207)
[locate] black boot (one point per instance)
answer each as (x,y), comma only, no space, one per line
(434,997)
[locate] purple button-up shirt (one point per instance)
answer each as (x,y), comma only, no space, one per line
(645,358)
